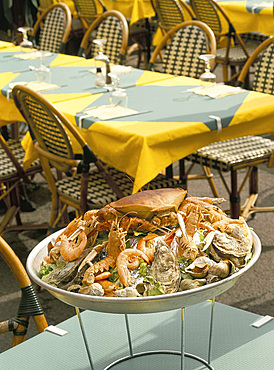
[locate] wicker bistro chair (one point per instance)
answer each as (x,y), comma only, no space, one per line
(112,26)
(29,303)
(52,28)
(89,188)
(44,4)
(185,43)
(12,176)
(245,152)
(88,11)
(235,52)
(171,12)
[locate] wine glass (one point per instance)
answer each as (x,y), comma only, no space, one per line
(101,57)
(118,96)
(43,73)
(207,76)
(26,45)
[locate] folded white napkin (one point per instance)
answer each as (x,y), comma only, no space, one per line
(107,112)
(116,68)
(30,55)
(35,85)
(217,90)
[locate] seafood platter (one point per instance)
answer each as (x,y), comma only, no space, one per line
(156,250)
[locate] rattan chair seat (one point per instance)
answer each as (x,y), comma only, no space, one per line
(7,169)
(100,193)
(236,54)
(227,154)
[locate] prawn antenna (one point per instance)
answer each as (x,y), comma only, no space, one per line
(134,185)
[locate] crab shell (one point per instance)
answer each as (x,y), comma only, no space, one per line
(149,202)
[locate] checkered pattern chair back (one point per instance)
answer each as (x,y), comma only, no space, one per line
(87,11)
(206,12)
(113,27)
(86,7)
(182,53)
(44,4)
(110,29)
(264,72)
(169,13)
(47,128)
(52,28)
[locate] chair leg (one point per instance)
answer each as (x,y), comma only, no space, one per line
(182,173)
(253,194)
(225,73)
(209,177)
(234,195)
(169,172)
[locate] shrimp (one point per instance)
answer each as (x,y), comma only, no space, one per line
(103,276)
(116,243)
(128,259)
(109,288)
(146,245)
(71,248)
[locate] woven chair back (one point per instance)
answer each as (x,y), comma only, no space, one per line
(205,11)
(169,13)
(86,9)
(52,28)
(113,27)
(264,72)
(182,53)
(46,127)
(44,4)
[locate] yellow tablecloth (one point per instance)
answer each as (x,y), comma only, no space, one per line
(177,124)
(133,9)
(245,19)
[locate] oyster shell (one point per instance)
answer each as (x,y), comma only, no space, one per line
(165,268)
(236,243)
(65,276)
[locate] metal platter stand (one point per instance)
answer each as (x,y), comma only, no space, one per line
(132,355)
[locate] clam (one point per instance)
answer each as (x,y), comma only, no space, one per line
(187,284)
(204,265)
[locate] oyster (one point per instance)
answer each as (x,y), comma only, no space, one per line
(165,268)
(65,276)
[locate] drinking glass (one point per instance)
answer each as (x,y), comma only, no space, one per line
(43,73)
(207,76)
(26,45)
(118,96)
